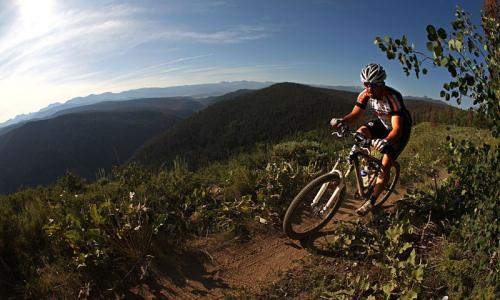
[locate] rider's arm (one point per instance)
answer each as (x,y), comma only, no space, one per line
(396,131)
(353,115)
(357,111)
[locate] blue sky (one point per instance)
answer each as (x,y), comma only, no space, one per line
(54,50)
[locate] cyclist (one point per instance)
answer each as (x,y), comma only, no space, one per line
(390,132)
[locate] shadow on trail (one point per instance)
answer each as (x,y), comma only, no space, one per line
(319,243)
(174,274)
(323,242)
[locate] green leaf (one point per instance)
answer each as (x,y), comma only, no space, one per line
(438,50)
(408,65)
(405,247)
(94,214)
(418,274)
(394,232)
(412,257)
(430,46)
(444,62)
(458,45)
(441,33)
(430,29)
(388,288)
(402,58)
(410,295)
(93,233)
(451,44)
(470,80)
(452,70)
(73,236)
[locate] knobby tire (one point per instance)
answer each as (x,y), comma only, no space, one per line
(302,201)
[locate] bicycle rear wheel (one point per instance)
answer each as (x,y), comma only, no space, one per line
(390,185)
(308,212)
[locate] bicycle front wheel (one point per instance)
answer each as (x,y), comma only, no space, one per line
(314,206)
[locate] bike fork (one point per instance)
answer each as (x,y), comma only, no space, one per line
(323,188)
(333,197)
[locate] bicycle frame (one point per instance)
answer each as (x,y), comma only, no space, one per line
(353,161)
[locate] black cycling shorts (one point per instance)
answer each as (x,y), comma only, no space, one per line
(379,131)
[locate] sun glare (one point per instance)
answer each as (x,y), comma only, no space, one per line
(36,11)
(35,18)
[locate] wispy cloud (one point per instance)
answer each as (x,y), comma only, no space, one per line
(151,72)
(237,34)
(59,47)
(79,36)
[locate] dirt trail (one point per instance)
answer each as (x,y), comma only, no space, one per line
(226,267)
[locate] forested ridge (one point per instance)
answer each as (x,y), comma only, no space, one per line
(264,116)
(37,153)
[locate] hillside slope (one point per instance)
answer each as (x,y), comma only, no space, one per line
(41,151)
(265,115)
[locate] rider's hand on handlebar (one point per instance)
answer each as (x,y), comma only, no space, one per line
(335,123)
(380,144)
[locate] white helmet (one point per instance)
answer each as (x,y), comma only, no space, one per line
(373,73)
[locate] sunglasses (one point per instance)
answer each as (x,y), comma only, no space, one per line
(372,85)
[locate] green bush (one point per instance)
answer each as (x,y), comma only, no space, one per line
(473,194)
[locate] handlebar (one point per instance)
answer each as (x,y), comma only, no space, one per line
(360,139)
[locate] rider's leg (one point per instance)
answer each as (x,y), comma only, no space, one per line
(382,178)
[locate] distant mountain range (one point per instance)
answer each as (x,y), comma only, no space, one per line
(198,91)
(194,91)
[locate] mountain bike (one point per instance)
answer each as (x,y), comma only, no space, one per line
(320,199)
